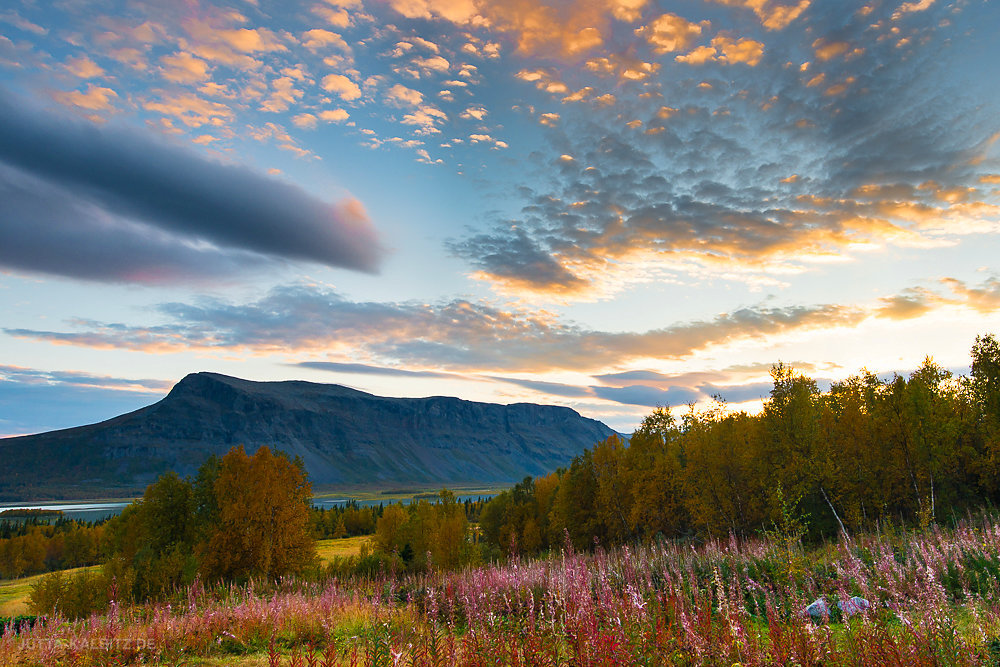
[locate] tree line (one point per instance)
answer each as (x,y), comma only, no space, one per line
(353,519)
(866,453)
(34,547)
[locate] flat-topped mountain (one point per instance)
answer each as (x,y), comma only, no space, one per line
(345,437)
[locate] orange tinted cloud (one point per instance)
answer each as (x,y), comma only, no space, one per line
(97,98)
(83,67)
(456,11)
(317,39)
(699,56)
(232,46)
(342,86)
(745,50)
(911,7)
(283,95)
(190,109)
(826,50)
(548,28)
(772,15)
(670,32)
(184,68)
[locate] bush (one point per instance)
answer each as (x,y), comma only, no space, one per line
(73,597)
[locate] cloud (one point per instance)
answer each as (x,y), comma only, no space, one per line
(648,396)
(365,369)
(342,86)
(670,32)
(184,68)
(402,95)
(107,204)
(334,115)
(426,119)
(454,335)
(317,39)
(32,376)
(456,11)
(747,51)
(725,50)
(305,121)
(550,388)
(696,180)
(97,98)
(908,304)
(212,40)
(18,21)
(517,261)
(772,15)
(911,7)
(83,67)
(35,401)
(984,298)
(828,50)
(283,95)
(190,109)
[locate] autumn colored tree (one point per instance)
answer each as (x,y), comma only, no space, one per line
(262,527)
(389,535)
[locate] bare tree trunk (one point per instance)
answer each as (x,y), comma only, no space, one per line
(836,516)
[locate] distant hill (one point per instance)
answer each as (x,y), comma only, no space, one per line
(345,437)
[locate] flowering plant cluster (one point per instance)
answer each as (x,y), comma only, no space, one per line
(933,600)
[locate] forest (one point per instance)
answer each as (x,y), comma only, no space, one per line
(866,454)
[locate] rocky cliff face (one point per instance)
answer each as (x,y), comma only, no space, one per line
(345,437)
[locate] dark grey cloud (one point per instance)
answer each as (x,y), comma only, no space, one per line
(515,257)
(103,203)
(649,397)
(553,388)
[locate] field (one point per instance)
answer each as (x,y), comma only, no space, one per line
(934,596)
(342,548)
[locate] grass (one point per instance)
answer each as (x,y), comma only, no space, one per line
(14,592)
(340,548)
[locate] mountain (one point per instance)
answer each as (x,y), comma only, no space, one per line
(345,437)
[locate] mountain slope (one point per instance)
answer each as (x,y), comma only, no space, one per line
(345,437)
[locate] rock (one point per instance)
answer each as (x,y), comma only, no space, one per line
(855,605)
(818,610)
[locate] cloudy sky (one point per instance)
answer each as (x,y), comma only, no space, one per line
(609,205)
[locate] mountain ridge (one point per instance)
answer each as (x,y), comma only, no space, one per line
(345,437)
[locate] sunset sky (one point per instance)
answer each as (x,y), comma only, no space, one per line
(608,205)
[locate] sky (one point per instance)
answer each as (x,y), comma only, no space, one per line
(609,205)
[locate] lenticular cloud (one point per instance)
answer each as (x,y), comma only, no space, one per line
(79,192)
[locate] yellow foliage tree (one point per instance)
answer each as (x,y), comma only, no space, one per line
(262,528)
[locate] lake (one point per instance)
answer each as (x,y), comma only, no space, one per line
(95,511)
